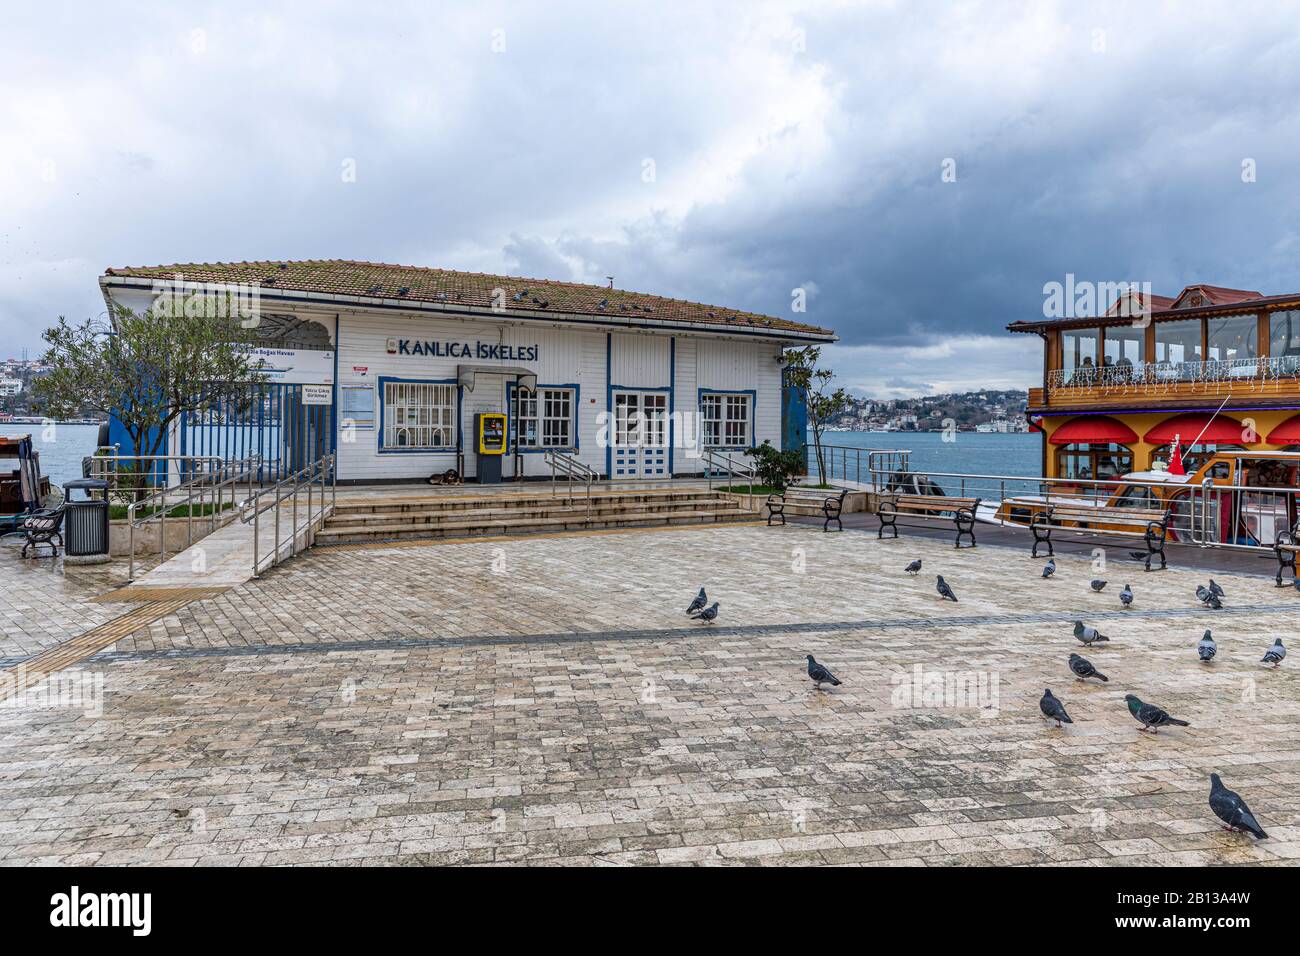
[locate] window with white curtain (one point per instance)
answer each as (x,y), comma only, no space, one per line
(419,415)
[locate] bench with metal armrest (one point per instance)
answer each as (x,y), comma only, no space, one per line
(43,527)
(832,506)
(960,510)
(1286,545)
(1149,524)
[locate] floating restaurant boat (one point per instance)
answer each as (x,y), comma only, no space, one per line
(1190,403)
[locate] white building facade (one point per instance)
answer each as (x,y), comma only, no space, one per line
(392,377)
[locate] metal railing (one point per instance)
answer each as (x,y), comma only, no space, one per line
(1245,373)
(573,469)
(851,463)
(719,462)
(206,492)
(315,479)
(1199,514)
(131,474)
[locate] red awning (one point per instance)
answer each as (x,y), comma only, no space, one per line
(1221,431)
(1093,430)
(1288,433)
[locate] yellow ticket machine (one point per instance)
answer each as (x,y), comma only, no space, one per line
(490,442)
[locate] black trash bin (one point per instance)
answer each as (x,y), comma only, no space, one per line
(85,522)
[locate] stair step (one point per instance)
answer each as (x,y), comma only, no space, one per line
(338,535)
(520,514)
(450,503)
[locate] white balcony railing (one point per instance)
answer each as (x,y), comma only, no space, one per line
(1249,373)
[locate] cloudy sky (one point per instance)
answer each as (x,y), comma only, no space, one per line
(729,152)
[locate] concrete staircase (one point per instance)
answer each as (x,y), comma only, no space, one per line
(465,515)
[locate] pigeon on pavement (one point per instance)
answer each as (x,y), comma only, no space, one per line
(1088,635)
(1126,596)
(820,675)
(707,615)
(1050,568)
(701,601)
(914,567)
(1097,584)
(1053,708)
(1083,669)
(1232,810)
(945,592)
(1208,597)
(1151,716)
(1215,589)
(1275,654)
(1207,648)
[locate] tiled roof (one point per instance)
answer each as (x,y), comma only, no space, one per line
(1215,300)
(375,280)
(1217,295)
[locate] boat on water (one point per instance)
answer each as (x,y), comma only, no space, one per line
(23,489)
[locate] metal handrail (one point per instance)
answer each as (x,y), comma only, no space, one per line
(209,488)
(574,469)
(108,467)
(715,460)
(288,489)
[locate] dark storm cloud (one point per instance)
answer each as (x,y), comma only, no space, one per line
(729,155)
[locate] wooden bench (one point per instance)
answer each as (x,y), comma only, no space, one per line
(832,506)
(1151,525)
(961,510)
(1286,545)
(43,527)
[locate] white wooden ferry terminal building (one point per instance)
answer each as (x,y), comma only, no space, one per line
(395,368)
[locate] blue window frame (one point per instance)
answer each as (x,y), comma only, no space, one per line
(418,416)
(544,418)
(727,418)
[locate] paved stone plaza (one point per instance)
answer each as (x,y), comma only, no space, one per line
(544,700)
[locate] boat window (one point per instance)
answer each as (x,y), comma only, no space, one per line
(1233,337)
(1138,497)
(1178,342)
(1079,354)
(1125,346)
(1267,473)
(1087,462)
(1284,339)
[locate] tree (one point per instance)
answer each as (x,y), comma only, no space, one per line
(147,369)
(812,382)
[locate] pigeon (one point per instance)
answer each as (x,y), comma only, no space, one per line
(1050,568)
(1232,810)
(1207,648)
(1296,582)
(701,601)
(1126,596)
(914,567)
(1208,597)
(1151,716)
(820,675)
(945,592)
(1088,635)
(1097,585)
(1138,555)
(1083,669)
(707,615)
(1215,589)
(1274,654)
(1053,708)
